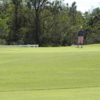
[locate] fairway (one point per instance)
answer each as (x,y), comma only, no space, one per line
(50,73)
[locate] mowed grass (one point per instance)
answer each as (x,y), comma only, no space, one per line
(52,73)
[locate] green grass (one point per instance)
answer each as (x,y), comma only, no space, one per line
(53,73)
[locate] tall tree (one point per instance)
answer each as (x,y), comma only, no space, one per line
(16,25)
(37,6)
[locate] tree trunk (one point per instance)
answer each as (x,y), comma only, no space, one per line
(16,22)
(37,27)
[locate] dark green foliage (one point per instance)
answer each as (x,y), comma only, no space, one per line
(16,2)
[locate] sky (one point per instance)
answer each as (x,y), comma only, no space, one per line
(84,5)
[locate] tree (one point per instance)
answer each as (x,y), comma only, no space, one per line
(91,26)
(38,6)
(71,24)
(3,23)
(16,25)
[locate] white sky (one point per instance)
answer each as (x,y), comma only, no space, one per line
(84,5)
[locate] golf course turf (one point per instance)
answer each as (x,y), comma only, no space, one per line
(50,73)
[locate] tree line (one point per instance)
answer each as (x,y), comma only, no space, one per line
(46,23)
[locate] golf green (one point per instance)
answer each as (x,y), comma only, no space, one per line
(50,73)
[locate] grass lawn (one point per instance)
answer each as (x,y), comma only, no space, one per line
(52,73)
